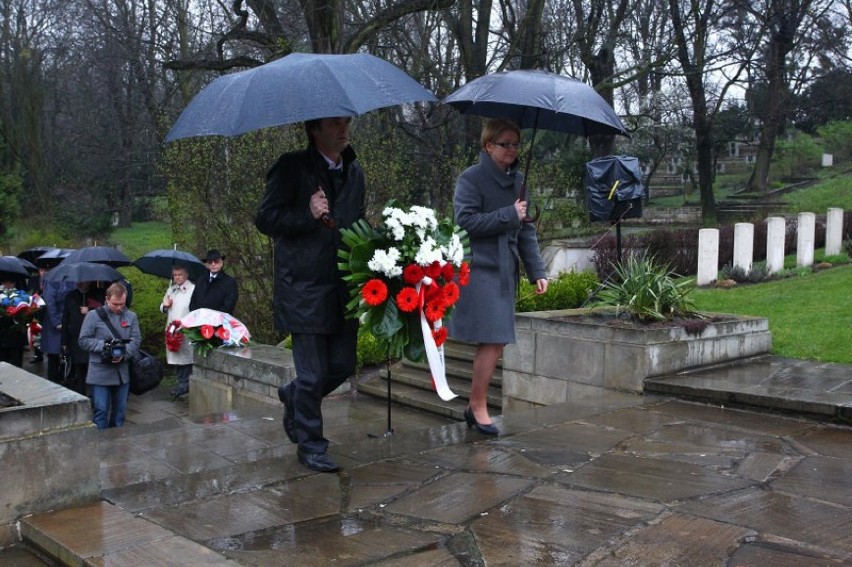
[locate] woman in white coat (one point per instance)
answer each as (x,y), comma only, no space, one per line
(178,349)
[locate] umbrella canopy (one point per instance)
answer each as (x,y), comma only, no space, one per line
(74,272)
(51,258)
(161,262)
(99,255)
(17,267)
(295,88)
(538,99)
(30,254)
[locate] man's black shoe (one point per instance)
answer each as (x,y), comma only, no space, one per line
(289,419)
(319,462)
(36,359)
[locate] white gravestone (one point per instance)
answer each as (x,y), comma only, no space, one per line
(743,246)
(776,230)
(805,239)
(708,256)
(833,231)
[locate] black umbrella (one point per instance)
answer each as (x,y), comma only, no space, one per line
(30,254)
(99,255)
(295,88)
(52,258)
(161,262)
(83,272)
(13,265)
(538,99)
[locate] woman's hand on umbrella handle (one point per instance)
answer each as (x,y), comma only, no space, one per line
(319,204)
(521,209)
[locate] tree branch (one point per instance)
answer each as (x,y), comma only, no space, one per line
(388,16)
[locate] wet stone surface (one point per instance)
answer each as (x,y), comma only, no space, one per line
(600,481)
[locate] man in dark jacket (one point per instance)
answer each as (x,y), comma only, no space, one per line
(217,290)
(309,195)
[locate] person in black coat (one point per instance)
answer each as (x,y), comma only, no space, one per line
(217,290)
(309,194)
(79,301)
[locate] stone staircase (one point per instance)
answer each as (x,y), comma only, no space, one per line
(411,383)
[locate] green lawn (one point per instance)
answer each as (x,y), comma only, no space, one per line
(810,316)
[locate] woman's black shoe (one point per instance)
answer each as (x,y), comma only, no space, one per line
(489,429)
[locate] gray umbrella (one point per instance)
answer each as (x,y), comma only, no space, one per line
(538,99)
(295,88)
(83,272)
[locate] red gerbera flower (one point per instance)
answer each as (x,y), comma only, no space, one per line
(407,300)
(412,274)
(464,273)
(433,270)
(374,292)
(451,293)
(433,292)
(447,272)
(440,335)
(434,311)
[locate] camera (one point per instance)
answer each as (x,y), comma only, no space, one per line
(114,349)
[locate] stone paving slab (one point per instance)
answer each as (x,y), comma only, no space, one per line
(554,525)
(819,525)
(341,542)
(659,480)
(678,540)
(458,497)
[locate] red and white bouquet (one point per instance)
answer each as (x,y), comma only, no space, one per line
(208,329)
(405,277)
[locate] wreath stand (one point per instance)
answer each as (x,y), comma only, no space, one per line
(389,431)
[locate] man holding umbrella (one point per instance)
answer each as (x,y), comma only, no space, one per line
(308,193)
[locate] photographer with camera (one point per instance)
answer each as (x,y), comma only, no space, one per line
(110,351)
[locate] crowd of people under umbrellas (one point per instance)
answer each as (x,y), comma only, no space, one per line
(75,285)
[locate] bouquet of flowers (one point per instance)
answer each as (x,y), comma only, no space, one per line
(208,329)
(405,277)
(20,306)
(174,336)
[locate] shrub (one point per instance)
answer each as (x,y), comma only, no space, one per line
(647,291)
(677,249)
(568,291)
(605,253)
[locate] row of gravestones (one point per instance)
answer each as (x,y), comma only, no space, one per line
(708,244)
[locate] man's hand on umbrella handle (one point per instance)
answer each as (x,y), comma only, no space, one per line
(319,204)
(521,209)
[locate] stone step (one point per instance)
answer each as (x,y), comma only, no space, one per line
(411,383)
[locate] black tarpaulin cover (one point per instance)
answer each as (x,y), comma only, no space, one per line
(614,188)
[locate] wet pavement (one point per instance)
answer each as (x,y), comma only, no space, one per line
(612,479)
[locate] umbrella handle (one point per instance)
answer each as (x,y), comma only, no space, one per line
(522,196)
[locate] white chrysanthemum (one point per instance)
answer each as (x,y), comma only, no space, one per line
(428,252)
(455,251)
(423,217)
(385,262)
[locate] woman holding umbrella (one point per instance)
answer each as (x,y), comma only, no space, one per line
(487,206)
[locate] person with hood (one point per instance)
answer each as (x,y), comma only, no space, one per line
(487,206)
(309,195)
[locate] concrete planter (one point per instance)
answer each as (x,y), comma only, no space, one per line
(561,355)
(48,449)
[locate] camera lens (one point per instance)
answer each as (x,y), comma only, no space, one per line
(117,351)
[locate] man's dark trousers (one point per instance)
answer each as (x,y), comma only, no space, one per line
(322,362)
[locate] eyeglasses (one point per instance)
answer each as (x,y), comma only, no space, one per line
(507,145)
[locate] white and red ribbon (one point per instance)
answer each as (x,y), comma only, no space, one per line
(434,353)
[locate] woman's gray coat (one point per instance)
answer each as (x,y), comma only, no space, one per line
(484,206)
(95,333)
